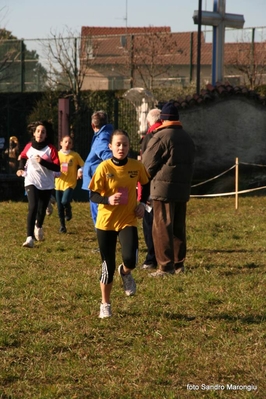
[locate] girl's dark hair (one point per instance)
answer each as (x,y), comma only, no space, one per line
(119,132)
(48,126)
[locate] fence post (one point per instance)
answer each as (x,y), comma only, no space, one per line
(236,184)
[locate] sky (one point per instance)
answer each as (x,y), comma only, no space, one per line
(33,19)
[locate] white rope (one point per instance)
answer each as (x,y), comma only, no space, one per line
(215,177)
(252,164)
(232,193)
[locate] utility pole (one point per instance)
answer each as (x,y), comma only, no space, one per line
(199,46)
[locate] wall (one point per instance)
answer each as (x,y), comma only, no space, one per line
(223,130)
(226,129)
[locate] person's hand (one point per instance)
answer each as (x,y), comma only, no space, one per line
(114,199)
(38,158)
(140,210)
(20,173)
(79,174)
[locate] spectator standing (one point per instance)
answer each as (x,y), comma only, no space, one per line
(38,162)
(113,187)
(169,159)
(71,168)
(99,152)
(153,121)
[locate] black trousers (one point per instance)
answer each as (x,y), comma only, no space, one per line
(37,203)
(107,239)
(169,233)
(147,232)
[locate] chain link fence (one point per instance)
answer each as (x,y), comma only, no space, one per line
(115,62)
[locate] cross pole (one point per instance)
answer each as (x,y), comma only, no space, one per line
(219,20)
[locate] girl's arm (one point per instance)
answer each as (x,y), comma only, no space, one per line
(100,199)
(22,163)
(23,157)
(49,165)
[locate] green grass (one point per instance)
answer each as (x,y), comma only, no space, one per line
(204,327)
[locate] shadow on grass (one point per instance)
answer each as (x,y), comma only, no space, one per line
(250,319)
(234,269)
(178,316)
(183,317)
(227,251)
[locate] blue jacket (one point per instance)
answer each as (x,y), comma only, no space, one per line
(99,152)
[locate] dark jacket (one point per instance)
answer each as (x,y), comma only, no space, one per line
(148,136)
(169,159)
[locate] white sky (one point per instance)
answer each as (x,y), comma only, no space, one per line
(32,19)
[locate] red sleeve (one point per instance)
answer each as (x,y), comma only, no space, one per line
(54,155)
(23,153)
(23,157)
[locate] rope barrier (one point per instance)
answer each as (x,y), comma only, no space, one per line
(252,164)
(232,193)
(215,177)
(236,192)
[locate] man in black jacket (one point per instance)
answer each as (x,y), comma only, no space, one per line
(153,121)
(169,159)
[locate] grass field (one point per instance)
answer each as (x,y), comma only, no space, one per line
(197,335)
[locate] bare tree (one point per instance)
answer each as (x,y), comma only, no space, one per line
(248,58)
(66,67)
(128,60)
(153,57)
(148,57)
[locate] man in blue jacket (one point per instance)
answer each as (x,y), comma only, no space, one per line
(99,152)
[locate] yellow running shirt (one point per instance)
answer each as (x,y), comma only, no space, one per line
(69,164)
(110,179)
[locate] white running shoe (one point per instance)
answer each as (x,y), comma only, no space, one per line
(28,243)
(105,310)
(38,233)
(49,209)
(128,282)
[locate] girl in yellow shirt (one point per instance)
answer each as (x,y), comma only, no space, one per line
(71,165)
(113,187)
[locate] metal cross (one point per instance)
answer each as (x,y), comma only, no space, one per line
(219,20)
